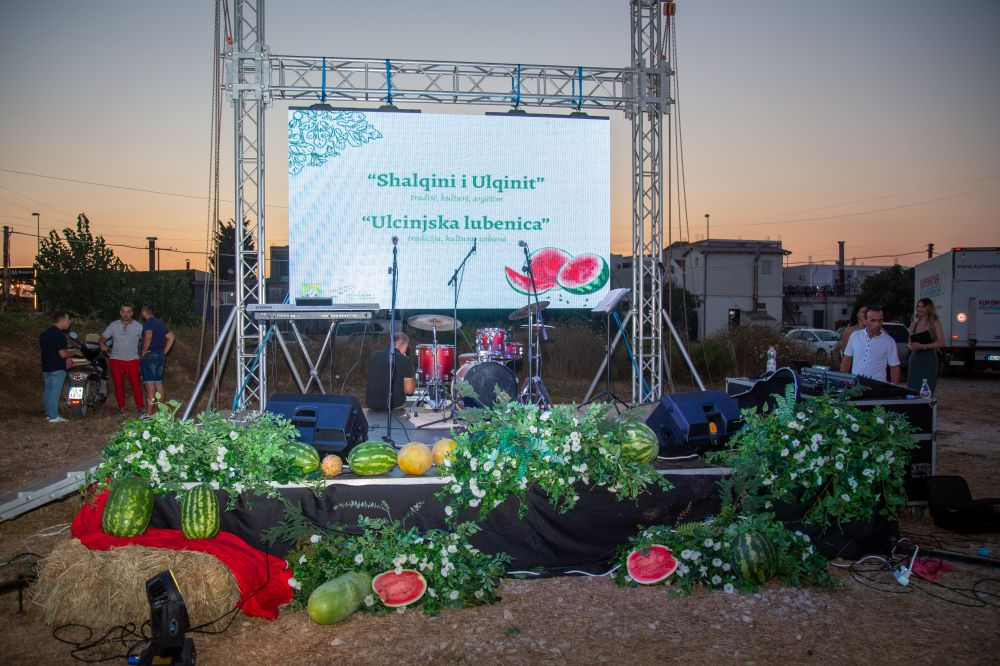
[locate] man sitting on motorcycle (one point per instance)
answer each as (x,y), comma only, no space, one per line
(124,335)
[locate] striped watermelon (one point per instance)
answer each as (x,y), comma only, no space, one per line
(639,443)
(200,513)
(371,458)
(336,599)
(305,457)
(129,508)
(754,557)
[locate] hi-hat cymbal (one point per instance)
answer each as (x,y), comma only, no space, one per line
(534,309)
(429,322)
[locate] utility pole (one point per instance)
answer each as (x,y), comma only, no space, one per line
(930,250)
(707,228)
(6,267)
(152,253)
(38,233)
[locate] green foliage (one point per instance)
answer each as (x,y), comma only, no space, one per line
(683,310)
(78,271)
(171,452)
(170,291)
(511,446)
(826,454)
(222,261)
(892,288)
(457,574)
(705,552)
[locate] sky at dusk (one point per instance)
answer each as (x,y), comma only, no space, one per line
(869,121)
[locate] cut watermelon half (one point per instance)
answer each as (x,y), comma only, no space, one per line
(651,566)
(399,589)
(584,274)
(545,264)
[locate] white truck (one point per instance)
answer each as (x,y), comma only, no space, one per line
(964,284)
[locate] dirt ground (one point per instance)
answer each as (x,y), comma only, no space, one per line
(581,620)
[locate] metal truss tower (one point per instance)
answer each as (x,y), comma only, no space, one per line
(255,77)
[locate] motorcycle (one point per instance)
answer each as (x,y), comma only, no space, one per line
(88,377)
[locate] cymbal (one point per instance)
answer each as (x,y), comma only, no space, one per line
(429,322)
(538,326)
(534,308)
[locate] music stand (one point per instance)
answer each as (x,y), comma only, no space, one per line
(606,307)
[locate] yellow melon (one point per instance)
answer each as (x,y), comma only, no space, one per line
(445,448)
(332,465)
(414,459)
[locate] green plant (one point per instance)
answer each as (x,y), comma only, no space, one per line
(457,574)
(510,446)
(838,461)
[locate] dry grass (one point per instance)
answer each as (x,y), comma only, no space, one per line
(103,589)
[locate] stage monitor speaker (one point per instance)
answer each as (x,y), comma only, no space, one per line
(331,423)
(692,422)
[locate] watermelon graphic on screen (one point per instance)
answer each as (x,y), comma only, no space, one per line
(545,264)
(584,274)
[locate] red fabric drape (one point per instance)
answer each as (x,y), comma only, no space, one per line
(260,594)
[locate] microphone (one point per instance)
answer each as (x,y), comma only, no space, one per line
(522,243)
(395,240)
(474,245)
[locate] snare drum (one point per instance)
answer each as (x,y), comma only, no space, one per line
(425,363)
(490,342)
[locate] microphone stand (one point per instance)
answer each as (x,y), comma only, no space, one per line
(394,272)
(454,283)
(534,359)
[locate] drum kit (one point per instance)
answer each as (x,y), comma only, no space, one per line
(493,365)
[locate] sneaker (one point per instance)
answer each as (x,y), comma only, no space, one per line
(145,417)
(58,419)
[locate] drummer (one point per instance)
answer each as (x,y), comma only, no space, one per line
(404,383)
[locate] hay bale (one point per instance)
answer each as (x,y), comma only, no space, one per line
(105,588)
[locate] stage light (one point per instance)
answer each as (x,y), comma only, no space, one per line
(168,620)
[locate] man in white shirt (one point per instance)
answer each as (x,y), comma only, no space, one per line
(124,360)
(871,350)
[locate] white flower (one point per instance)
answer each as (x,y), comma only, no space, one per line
(703,570)
(546,415)
(718,545)
(145,434)
(359,558)
(453,595)
(221,452)
(533,430)
(302,559)
(370,600)
(814,447)
(865,454)
(845,497)
(685,554)
(214,466)
(474,503)
(473,464)
(452,548)
(479,594)
(839,465)
(575,447)
(801,416)
(728,587)
(448,511)
(855,427)
(716,562)
(879,420)
(794,425)
(412,559)
(716,579)
(431,593)
(444,572)
(709,543)
(172,450)
(726,566)
(398,569)
(315,538)
(294,584)
(457,488)
(816,439)
(784,453)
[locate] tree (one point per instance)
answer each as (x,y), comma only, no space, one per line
(78,272)
(223,259)
(892,288)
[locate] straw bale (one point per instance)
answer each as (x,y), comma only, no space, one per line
(104,588)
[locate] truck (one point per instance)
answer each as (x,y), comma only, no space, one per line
(964,284)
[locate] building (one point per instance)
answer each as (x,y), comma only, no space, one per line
(736,281)
(816,297)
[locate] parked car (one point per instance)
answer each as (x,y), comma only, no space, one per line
(820,341)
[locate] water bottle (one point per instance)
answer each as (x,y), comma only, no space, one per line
(925,390)
(772,359)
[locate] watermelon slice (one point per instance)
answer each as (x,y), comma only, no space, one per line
(545,264)
(584,274)
(399,589)
(651,566)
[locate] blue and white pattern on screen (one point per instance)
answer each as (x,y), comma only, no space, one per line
(316,136)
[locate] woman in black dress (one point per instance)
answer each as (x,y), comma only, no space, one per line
(926,337)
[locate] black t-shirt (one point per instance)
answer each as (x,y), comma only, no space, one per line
(378,377)
(51,341)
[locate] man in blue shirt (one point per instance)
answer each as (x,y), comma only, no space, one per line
(156,343)
(55,351)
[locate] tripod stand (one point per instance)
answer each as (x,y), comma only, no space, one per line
(534,391)
(607,306)
(394,272)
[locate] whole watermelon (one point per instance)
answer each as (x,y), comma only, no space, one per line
(754,557)
(639,443)
(129,508)
(305,457)
(371,458)
(200,513)
(335,600)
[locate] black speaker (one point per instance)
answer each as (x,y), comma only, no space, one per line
(692,422)
(331,423)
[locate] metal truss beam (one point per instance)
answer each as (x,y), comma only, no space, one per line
(255,78)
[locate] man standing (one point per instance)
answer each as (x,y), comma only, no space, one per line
(124,360)
(55,351)
(870,350)
(156,343)
(403,381)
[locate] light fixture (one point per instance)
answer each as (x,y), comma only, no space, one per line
(168,623)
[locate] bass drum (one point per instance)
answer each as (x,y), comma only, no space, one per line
(484,378)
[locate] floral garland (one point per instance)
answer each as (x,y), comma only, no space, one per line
(823,453)
(511,447)
(457,574)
